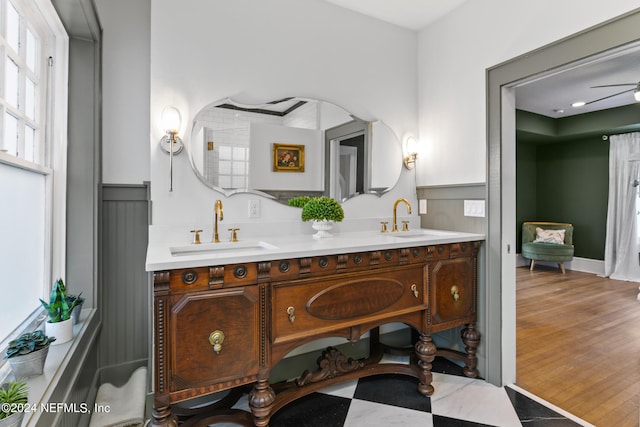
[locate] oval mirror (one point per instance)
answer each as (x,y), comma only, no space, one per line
(292,147)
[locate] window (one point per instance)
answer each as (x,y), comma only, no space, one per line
(233,167)
(32,156)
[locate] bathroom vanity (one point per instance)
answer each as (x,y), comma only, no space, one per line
(225,316)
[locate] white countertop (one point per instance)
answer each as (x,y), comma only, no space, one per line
(165,252)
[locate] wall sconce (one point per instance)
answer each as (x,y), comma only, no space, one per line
(410,151)
(171,142)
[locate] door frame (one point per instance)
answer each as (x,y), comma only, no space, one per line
(500,339)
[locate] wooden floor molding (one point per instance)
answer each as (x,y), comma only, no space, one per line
(578,344)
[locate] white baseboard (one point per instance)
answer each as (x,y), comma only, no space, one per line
(585,265)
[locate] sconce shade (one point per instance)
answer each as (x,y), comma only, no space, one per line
(410,151)
(412,145)
(636,93)
(171,119)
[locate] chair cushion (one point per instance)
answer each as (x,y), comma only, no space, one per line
(549,236)
(547,251)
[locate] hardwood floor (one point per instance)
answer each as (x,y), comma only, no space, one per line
(578,344)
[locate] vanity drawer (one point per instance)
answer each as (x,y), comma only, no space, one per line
(306,308)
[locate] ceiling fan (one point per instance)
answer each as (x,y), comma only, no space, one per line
(635,89)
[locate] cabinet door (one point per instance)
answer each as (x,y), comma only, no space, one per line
(194,318)
(452,291)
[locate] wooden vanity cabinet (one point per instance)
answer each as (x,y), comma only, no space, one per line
(220,327)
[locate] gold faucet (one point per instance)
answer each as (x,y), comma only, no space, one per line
(217,210)
(395,216)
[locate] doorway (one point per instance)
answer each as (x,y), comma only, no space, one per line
(346,148)
(501,238)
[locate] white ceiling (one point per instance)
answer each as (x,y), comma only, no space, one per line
(557,92)
(543,96)
(412,14)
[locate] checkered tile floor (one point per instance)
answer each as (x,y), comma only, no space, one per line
(392,400)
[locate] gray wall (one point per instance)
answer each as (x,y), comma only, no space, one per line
(124,297)
(83,169)
(445,207)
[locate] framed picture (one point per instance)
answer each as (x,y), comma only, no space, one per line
(288,158)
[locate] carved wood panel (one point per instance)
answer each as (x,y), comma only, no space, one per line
(452,290)
(235,313)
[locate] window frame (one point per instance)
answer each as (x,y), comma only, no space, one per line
(53,108)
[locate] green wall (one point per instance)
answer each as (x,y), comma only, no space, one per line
(572,186)
(564,176)
(566,182)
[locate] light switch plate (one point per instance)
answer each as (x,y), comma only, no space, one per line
(474,208)
(422,206)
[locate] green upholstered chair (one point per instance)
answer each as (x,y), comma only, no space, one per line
(543,251)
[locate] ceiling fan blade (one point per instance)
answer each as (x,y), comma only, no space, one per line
(620,84)
(610,96)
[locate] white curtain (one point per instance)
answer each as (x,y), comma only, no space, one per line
(621,248)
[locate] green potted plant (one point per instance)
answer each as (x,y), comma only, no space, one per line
(60,324)
(13,400)
(323,211)
(76,302)
(299,201)
(27,353)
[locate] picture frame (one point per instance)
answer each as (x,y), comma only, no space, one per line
(288,158)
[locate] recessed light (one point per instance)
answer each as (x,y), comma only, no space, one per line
(558,111)
(579,104)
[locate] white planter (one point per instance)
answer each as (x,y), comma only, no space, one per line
(322,229)
(29,365)
(63,331)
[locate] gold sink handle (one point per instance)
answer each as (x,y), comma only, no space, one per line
(196,236)
(216,338)
(414,289)
(454,293)
(234,234)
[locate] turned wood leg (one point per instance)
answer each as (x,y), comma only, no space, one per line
(161,415)
(261,399)
(471,339)
(425,352)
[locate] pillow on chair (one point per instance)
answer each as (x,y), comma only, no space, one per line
(549,236)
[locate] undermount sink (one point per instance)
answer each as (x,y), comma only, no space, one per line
(220,248)
(420,233)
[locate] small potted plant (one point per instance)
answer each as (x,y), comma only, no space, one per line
(27,353)
(299,201)
(76,302)
(323,211)
(13,400)
(60,324)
